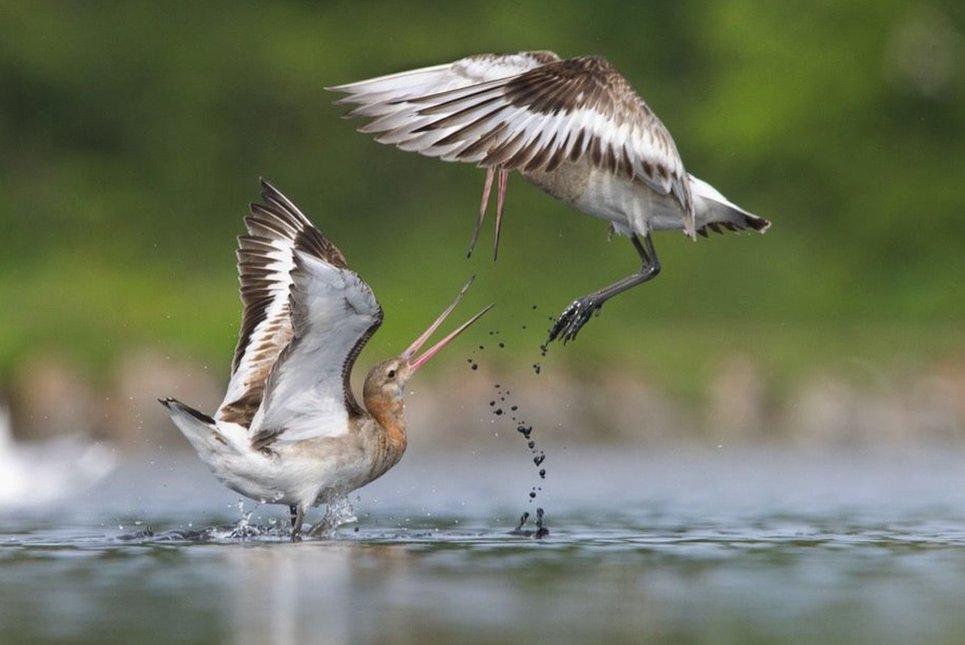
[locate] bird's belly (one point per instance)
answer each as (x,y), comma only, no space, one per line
(566,183)
(301,473)
(632,207)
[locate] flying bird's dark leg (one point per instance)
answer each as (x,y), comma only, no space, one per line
(298,516)
(487,189)
(569,323)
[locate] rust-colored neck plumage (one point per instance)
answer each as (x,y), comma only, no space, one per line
(382,395)
(389,413)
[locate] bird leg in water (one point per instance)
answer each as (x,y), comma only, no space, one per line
(298,516)
(500,202)
(569,323)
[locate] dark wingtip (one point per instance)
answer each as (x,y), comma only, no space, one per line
(267,189)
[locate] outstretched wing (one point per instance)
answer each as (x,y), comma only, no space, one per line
(332,313)
(534,120)
(271,264)
(377,97)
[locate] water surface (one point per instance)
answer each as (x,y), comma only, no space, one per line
(705,546)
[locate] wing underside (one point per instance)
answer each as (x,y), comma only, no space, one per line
(297,341)
(547,113)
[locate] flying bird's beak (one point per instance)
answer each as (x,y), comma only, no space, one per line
(416,363)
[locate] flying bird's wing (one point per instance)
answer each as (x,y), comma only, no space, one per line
(534,120)
(378,96)
(306,317)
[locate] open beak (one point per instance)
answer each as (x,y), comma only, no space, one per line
(416,363)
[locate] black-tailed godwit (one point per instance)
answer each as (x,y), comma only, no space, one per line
(290,430)
(575,128)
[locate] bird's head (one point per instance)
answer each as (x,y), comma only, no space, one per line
(384,387)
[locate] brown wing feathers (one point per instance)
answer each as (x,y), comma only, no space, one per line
(264,273)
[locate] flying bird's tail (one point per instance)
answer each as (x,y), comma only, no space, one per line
(715,212)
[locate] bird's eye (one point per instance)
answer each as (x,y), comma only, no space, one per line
(391,374)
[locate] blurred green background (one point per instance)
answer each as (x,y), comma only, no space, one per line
(132,136)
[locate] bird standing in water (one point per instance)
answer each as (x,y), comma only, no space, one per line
(575,128)
(290,431)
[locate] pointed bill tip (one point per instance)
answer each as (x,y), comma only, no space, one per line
(435,349)
(420,341)
(410,352)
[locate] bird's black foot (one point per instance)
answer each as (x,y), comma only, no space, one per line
(571,321)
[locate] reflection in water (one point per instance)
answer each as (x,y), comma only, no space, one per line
(290,593)
(314,591)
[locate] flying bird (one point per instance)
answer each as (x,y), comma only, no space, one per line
(290,430)
(574,128)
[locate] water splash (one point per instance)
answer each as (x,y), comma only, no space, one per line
(339,511)
(525,430)
(502,405)
(541,530)
(243,528)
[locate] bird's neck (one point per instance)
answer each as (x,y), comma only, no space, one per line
(390,415)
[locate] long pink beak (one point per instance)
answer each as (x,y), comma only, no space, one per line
(407,355)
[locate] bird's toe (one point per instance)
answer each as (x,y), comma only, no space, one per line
(573,318)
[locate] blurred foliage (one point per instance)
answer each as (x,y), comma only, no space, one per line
(132,135)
